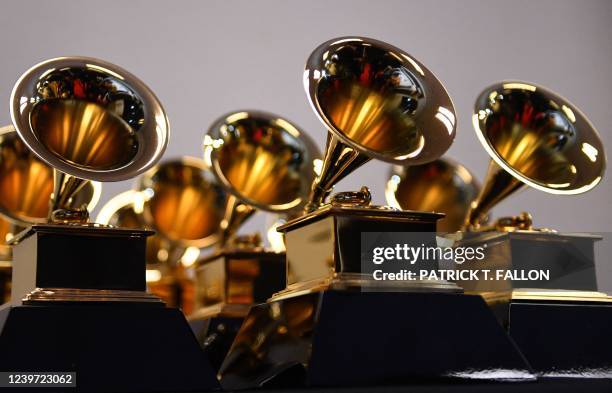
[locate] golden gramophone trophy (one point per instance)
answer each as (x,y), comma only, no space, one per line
(538,139)
(184,205)
(78,297)
(334,324)
(180,200)
(26,184)
(265,163)
(442,186)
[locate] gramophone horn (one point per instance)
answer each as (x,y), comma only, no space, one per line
(89,120)
(442,186)
(263,161)
(26,183)
(184,203)
(125,210)
(536,138)
(377,102)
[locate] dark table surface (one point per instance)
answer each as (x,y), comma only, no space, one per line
(545,385)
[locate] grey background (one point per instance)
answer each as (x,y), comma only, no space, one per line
(205,58)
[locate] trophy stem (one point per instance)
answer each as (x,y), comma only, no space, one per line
(236,213)
(65,187)
(498,185)
(339,161)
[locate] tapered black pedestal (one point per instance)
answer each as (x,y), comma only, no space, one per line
(84,310)
(111,348)
(216,335)
(561,324)
(564,339)
(344,338)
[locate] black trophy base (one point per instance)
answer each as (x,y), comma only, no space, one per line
(112,348)
(344,338)
(564,339)
(216,335)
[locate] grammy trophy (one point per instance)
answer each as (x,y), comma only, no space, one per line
(538,139)
(266,163)
(78,295)
(334,324)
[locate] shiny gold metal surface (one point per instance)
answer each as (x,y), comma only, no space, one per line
(231,280)
(321,251)
(88,120)
(7,231)
(26,183)
(263,161)
(84,133)
(441,186)
(185,203)
(166,277)
(535,138)
(377,102)
(125,211)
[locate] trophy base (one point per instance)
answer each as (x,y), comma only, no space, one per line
(216,335)
(562,333)
(343,338)
(118,348)
(215,328)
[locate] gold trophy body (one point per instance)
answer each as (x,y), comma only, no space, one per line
(78,297)
(334,324)
(26,184)
(537,139)
(266,163)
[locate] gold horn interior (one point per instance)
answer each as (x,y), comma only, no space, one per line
(88,120)
(185,203)
(125,210)
(26,183)
(263,161)
(377,102)
(536,138)
(441,186)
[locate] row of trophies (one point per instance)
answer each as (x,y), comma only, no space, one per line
(87,297)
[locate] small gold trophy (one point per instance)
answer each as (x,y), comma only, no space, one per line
(334,324)
(78,296)
(263,162)
(538,139)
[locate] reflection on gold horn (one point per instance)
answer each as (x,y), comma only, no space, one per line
(165,258)
(263,161)
(88,120)
(184,202)
(535,138)
(26,184)
(377,102)
(441,186)
(26,187)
